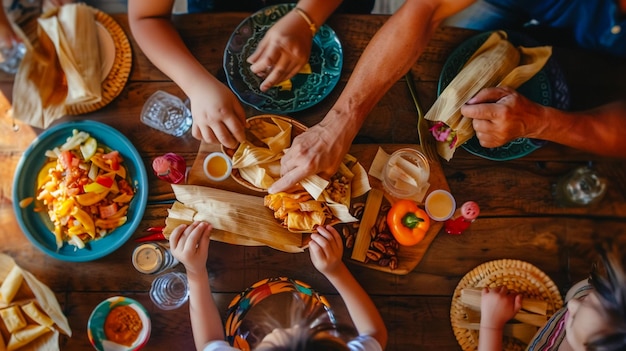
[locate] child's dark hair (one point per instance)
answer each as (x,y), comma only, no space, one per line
(311,326)
(611,291)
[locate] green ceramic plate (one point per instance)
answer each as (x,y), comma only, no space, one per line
(326,61)
(547,87)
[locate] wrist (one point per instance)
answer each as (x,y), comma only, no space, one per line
(307,18)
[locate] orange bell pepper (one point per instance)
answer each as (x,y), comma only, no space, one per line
(407,222)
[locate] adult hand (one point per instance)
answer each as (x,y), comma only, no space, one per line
(502,114)
(326,249)
(190,245)
(218,116)
(315,151)
(498,306)
(284,49)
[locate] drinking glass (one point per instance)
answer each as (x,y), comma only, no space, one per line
(405,173)
(11,57)
(581,187)
(169,290)
(167,113)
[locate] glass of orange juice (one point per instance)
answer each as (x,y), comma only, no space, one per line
(440,205)
(217,166)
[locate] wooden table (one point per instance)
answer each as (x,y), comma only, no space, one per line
(519,218)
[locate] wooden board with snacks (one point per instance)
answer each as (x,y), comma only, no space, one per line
(406,257)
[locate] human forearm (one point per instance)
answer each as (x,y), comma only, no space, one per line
(317,10)
(206,322)
(389,55)
(161,43)
(490,339)
(597,130)
(362,310)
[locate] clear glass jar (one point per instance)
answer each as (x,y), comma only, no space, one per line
(406,171)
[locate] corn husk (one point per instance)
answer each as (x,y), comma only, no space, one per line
(236,218)
(258,162)
(58,69)
(497,62)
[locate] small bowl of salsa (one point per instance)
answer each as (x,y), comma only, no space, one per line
(119,323)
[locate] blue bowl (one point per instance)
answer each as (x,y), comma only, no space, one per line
(37,225)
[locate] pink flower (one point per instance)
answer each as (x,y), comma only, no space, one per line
(441,132)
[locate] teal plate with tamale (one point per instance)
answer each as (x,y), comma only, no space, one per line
(547,88)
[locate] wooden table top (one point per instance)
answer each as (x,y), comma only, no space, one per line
(519,218)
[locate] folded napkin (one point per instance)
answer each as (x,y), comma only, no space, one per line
(496,63)
(61,68)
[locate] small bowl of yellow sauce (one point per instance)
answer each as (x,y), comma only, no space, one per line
(440,205)
(217,166)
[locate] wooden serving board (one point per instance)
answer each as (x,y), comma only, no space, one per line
(408,256)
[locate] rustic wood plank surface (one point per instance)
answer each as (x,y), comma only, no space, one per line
(519,218)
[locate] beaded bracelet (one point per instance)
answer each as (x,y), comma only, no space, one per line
(307,18)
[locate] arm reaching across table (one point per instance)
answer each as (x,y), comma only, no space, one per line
(218,116)
(502,114)
(321,148)
(399,43)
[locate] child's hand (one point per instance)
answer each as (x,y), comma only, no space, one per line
(497,306)
(220,119)
(326,249)
(190,245)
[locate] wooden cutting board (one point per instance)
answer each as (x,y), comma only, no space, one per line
(408,256)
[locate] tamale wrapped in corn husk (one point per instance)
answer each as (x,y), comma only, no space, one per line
(61,68)
(75,34)
(258,162)
(236,218)
(497,62)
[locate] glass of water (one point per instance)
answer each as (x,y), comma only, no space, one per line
(11,57)
(169,290)
(167,113)
(581,187)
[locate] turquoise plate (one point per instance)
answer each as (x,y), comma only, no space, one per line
(95,325)
(326,61)
(37,225)
(547,87)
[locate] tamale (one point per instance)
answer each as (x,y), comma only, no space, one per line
(497,62)
(79,53)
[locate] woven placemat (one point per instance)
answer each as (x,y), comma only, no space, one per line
(518,276)
(120,71)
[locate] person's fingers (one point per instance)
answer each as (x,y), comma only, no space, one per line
(518,302)
(289,180)
(224,136)
(263,66)
(284,69)
(258,53)
(317,246)
(491,94)
(204,133)
(176,235)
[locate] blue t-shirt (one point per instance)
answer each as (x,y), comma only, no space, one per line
(593,24)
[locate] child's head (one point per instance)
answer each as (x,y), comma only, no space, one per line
(322,337)
(295,322)
(598,322)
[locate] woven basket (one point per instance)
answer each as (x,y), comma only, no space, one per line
(297,129)
(120,71)
(518,276)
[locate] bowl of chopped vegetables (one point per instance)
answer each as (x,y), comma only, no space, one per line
(80,191)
